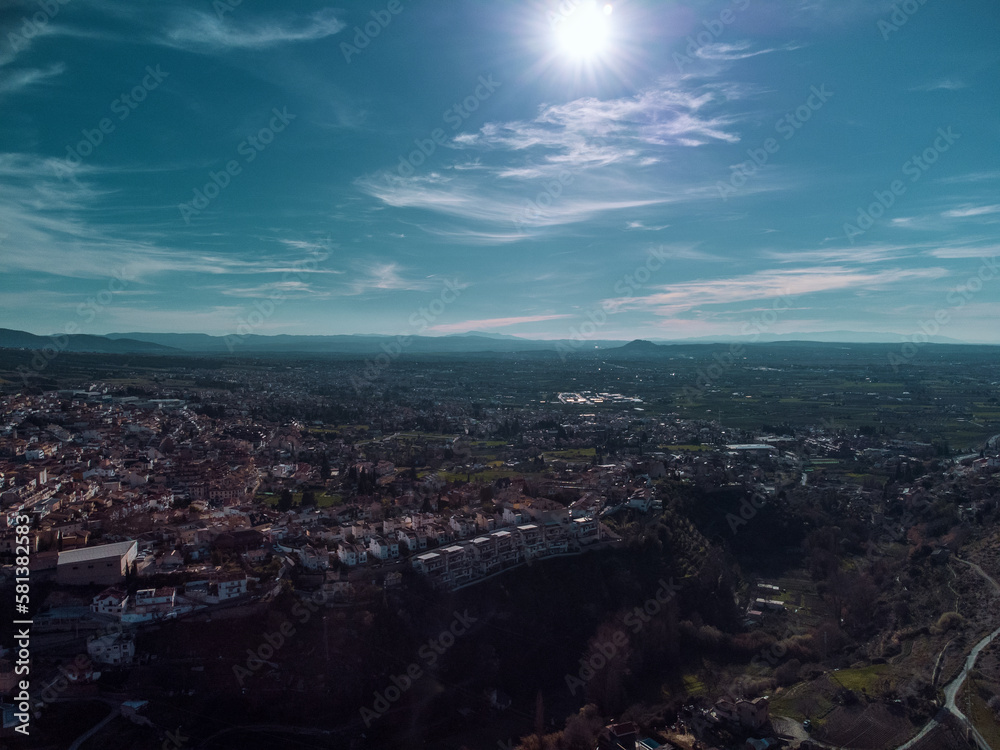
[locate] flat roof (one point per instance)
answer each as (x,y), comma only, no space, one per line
(527,527)
(427,556)
(87,554)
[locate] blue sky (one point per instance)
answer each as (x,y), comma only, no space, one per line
(663,169)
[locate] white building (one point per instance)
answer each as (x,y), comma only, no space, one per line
(111,648)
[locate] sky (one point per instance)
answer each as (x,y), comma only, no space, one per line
(544,168)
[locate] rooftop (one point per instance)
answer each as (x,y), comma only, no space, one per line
(96,553)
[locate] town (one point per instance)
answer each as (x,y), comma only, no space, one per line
(190,495)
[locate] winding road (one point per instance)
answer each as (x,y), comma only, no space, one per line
(952,688)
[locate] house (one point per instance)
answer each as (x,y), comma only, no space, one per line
(352,554)
(438,534)
(512,517)
(111,648)
(153,604)
(171,561)
(643,500)
(112,601)
(229,586)
(384,549)
(621,736)
(584,530)
(312,558)
(463,527)
(410,539)
(751,714)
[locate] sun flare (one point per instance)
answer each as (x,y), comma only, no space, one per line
(583,32)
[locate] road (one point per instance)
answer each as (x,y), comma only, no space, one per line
(952,688)
(94,729)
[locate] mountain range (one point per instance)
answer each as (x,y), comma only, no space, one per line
(367,344)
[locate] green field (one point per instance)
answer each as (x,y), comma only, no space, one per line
(572,454)
(864,678)
(322,501)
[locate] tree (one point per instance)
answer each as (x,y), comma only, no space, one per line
(308,499)
(285,500)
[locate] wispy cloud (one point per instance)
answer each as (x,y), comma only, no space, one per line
(282,289)
(19,80)
(689,253)
(941,84)
(200,31)
(967,211)
(473,236)
(474,200)
(594,132)
(865,255)
(644,227)
(738,51)
(600,153)
(491,323)
(965,251)
(59,227)
(681,298)
(384,277)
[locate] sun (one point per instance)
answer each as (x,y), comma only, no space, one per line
(583,31)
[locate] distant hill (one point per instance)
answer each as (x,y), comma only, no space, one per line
(362,344)
(640,345)
(831,337)
(367,345)
(489,335)
(80,342)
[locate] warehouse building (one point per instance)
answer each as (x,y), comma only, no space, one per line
(104,565)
